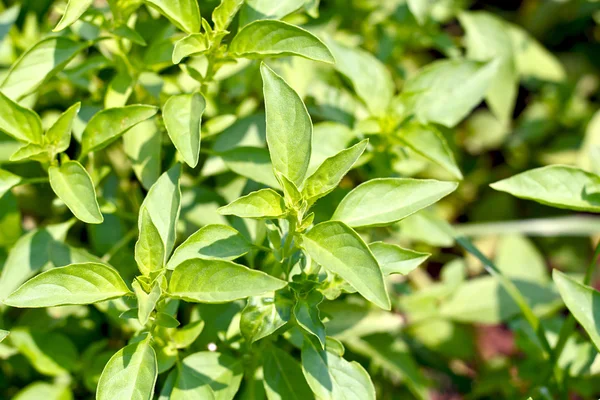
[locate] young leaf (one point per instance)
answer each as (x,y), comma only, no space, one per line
(182,115)
(291,194)
(208,375)
(7,181)
(558,186)
(149,248)
(270,38)
(73,11)
(430,143)
(306,312)
(340,250)
(219,281)
(283,377)
(85,283)
(393,259)
(163,203)
(184,14)
(146,301)
(39,63)
(194,44)
(264,203)
(331,377)
(31,151)
(289,128)
(583,302)
(58,137)
(329,174)
(211,241)
(370,78)
(465,82)
(19,122)
(130,374)
(264,314)
(380,202)
(268,9)
(224,13)
(108,125)
(73,185)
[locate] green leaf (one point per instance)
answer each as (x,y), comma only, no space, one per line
(85,283)
(19,122)
(487,38)
(142,144)
(331,377)
(186,336)
(211,242)
(393,259)
(329,174)
(420,9)
(583,302)
(292,196)
(283,378)
(224,13)
(149,248)
(46,391)
(182,115)
(130,374)
(108,125)
(264,203)
(429,142)
(184,14)
(263,315)
(289,128)
(3,334)
(268,9)
(73,185)
(465,82)
(74,10)
(8,17)
(31,151)
(194,44)
(58,137)
(339,249)
(270,38)
(381,202)
(7,181)
(253,163)
(146,301)
(558,186)
(370,78)
(208,375)
(518,258)
(50,353)
(38,64)
(163,203)
(219,281)
(307,315)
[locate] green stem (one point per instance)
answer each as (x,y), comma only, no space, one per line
(572,225)
(29,181)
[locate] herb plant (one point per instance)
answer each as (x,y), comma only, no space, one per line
(232,199)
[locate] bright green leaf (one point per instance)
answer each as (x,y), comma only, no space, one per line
(182,115)
(268,9)
(224,13)
(219,281)
(7,181)
(264,314)
(3,334)
(73,185)
(393,259)
(142,144)
(384,201)
(251,162)
(74,10)
(108,125)
(194,44)
(184,14)
(19,122)
(130,374)
(211,241)
(149,248)
(558,186)
(270,38)
(58,136)
(50,353)
(339,249)
(146,301)
(85,283)
(283,377)
(289,128)
(264,203)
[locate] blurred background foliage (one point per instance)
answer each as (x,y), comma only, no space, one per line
(453,333)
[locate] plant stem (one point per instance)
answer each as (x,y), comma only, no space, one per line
(576,225)
(29,181)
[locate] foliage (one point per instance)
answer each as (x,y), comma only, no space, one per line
(295,199)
